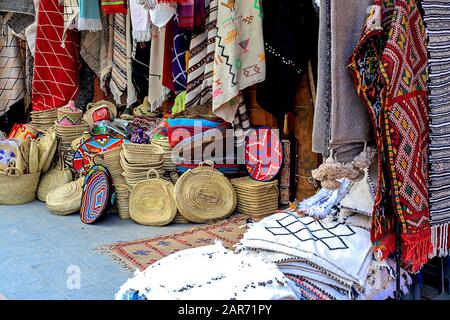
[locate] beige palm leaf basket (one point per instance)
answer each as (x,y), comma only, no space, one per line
(65,200)
(152,201)
(18,188)
(204,194)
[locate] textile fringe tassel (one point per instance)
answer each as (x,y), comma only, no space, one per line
(89,24)
(385,247)
(416,248)
(142,36)
(157,103)
(439,239)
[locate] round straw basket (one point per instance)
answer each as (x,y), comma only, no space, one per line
(152,202)
(143,153)
(204,194)
(18,188)
(66,199)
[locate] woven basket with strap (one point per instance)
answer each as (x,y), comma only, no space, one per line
(18,188)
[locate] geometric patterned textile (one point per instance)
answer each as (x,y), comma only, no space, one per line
(239,54)
(140,254)
(12,75)
(389,66)
(55,78)
(437,23)
(119,67)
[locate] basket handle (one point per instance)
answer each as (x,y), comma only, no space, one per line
(152,170)
(207,162)
(272,186)
(17,171)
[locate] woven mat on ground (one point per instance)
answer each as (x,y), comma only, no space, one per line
(142,253)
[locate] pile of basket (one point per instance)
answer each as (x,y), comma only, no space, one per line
(169,165)
(66,134)
(138,159)
(255,198)
(43,120)
(123,200)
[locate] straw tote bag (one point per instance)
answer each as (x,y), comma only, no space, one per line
(152,201)
(204,194)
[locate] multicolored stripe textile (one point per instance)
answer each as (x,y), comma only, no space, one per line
(114,6)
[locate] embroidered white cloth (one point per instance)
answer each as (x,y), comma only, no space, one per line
(341,250)
(140,21)
(239,53)
(209,273)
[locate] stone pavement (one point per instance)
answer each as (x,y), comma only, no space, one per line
(44,256)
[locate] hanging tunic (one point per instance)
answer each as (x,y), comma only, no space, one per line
(389,66)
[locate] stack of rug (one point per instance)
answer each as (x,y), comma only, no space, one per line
(325,259)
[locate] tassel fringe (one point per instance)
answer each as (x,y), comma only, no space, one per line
(85,24)
(439,239)
(415,249)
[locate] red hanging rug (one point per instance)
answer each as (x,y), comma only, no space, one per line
(56,64)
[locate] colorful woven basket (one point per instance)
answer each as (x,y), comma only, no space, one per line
(95,199)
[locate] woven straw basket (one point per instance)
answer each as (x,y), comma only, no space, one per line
(255,198)
(204,194)
(66,199)
(143,153)
(152,202)
(123,200)
(52,180)
(18,188)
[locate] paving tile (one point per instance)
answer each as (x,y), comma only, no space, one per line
(37,290)
(17,272)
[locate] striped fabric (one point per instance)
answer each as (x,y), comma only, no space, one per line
(201,60)
(114,6)
(437,19)
(119,62)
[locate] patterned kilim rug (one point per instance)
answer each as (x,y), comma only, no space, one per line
(140,254)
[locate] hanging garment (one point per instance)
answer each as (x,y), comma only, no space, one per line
(118,83)
(12,75)
(191,14)
(71,12)
(322,110)
(180,45)
(347,118)
(167,77)
(23,13)
(131,90)
(157,93)
(111,7)
(140,68)
(437,20)
(30,30)
(290,36)
(239,54)
(86,84)
(89,16)
(201,60)
(140,21)
(55,77)
(389,66)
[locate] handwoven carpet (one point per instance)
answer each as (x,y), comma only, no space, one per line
(142,253)
(437,20)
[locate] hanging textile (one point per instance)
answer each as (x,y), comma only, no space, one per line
(118,83)
(437,20)
(167,77)
(201,60)
(140,68)
(290,36)
(191,14)
(180,45)
(71,11)
(239,60)
(389,66)
(140,21)
(12,76)
(131,90)
(86,86)
(157,93)
(23,13)
(55,78)
(116,6)
(322,109)
(89,16)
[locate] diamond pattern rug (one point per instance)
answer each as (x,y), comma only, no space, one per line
(140,254)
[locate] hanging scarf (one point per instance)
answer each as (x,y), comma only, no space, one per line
(12,76)
(23,13)
(89,17)
(191,14)
(180,45)
(201,60)
(131,90)
(239,53)
(393,87)
(71,11)
(114,6)
(55,78)
(118,83)
(167,78)
(437,21)
(140,21)
(161,13)
(157,93)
